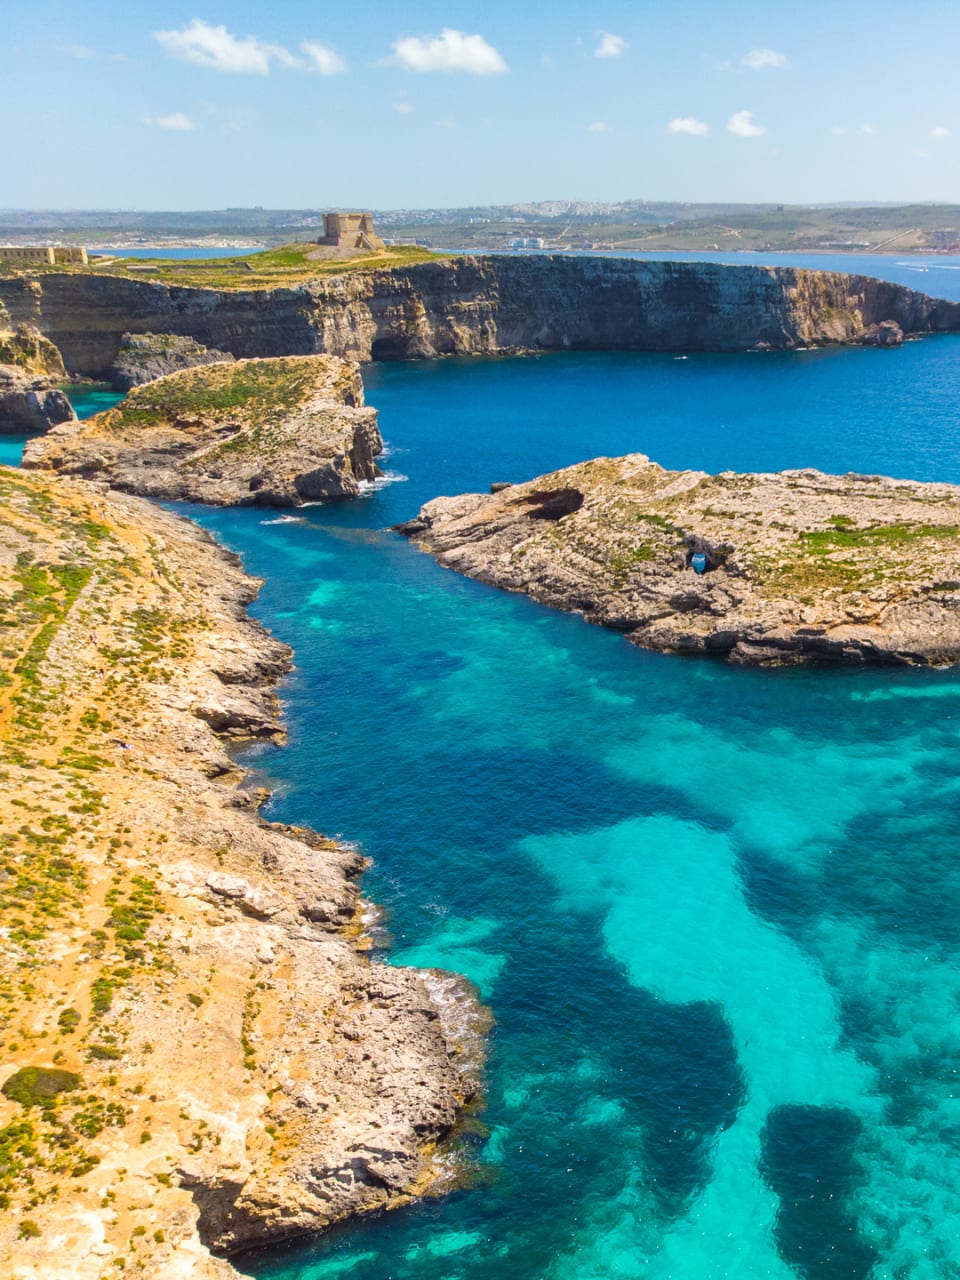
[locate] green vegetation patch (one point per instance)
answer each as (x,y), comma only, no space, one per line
(33,1086)
(289,264)
(842,534)
(257,387)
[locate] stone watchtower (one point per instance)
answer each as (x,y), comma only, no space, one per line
(350,231)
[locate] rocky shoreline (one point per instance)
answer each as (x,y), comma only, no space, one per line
(797,567)
(196,1053)
(269,433)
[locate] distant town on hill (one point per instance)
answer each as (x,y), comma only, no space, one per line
(550,224)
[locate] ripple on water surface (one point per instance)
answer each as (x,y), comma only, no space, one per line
(714,911)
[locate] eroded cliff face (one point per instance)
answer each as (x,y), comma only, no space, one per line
(478,305)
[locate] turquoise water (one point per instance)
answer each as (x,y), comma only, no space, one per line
(716,912)
(88,400)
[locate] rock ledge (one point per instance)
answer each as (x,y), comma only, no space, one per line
(273,433)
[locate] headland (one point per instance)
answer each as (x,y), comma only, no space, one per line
(272,433)
(196,1054)
(379,308)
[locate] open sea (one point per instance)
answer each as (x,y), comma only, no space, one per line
(715,912)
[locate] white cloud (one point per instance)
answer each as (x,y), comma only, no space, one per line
(688,124)
(207,46)
(447,122)
(866,130)
(599,126)
(177,121)
(323,59)
(610,46)
(215,47)
(449,51)
(759,59)
(741,123)
(940,132)
(403,107)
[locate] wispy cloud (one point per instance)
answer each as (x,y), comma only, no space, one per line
(403,107)
(218,49)
(82,51)
(610,46)
(214,47)
(176,121)
(839,130)
(741,123)
(940,132)
(760,59)
(598,126)
(449,51)
(446,122)
(324,60)
(688,124)
(866,131)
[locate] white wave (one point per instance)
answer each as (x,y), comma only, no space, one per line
(284,520)
(381,482)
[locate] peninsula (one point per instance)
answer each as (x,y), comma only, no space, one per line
(196,1054)
(796,566)
(272,433)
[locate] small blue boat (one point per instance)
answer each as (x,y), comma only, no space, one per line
(699,562)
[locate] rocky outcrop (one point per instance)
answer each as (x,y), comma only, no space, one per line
(272,433)
(144,357)
(29,403)
(796,567)
(29,351)
(199,1052)
(479,305)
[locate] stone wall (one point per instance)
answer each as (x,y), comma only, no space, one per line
(44,254)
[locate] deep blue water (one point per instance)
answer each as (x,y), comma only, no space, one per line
(716,912)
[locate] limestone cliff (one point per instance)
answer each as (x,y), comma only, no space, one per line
(30,403)
(255,432)
(798,566)
(478,305)
(26,349)
(30,371)
(143,357)
(195,1052)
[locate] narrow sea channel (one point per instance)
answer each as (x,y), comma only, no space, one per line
(716,913)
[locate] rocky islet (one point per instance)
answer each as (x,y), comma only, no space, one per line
(795,567)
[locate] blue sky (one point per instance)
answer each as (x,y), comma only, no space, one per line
(204,105)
